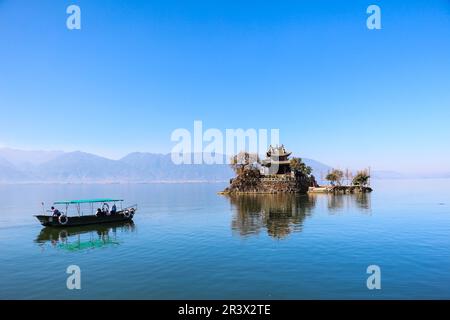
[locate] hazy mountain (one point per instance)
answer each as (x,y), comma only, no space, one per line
(5,163)
(84,167)
(150,166)
(24,159)
(57,166)
(8,172)
(146,166)
(80,166)
(319,169)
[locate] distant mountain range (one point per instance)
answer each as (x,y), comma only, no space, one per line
(80,167)
(75,167)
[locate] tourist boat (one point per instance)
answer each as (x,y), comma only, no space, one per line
(104,214)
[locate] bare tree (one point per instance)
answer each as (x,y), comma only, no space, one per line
(243,161)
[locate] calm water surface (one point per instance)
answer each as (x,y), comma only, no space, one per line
(188,242)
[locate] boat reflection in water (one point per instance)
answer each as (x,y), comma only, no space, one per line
(83,237)
(283,214)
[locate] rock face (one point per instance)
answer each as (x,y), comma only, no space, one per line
(251,181)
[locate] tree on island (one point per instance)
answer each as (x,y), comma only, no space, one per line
(297,165)
(348,176)
(361,179)
(243,161)
(335,177)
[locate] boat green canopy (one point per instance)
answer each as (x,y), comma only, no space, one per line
(76,246)
(87,201)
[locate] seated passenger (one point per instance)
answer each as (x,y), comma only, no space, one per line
(99,212)
(114,209)
(105,210)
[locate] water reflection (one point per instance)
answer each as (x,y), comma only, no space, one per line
(342,202)
(282,214)
(84,237)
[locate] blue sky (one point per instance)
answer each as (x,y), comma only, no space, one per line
(137,70)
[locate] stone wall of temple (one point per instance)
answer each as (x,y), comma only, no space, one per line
(254,183)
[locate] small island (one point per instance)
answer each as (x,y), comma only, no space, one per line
(278,173)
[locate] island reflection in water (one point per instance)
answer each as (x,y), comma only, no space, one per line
(283,214)
(83,237)
(336,203)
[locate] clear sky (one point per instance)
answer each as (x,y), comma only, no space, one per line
(137,70)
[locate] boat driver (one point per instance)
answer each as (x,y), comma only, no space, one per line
(56,212)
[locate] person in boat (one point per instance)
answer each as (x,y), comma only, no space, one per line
(105,209)
(114,209)
(99,212)
(55,212)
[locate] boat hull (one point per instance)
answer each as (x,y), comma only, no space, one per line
(50,221)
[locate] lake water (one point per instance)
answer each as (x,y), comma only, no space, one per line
(187,242)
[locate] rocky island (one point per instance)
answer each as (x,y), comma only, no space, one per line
(277,173)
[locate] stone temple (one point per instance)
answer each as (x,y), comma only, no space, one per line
(277,161)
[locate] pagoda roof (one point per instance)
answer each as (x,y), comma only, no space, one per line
(278,151)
